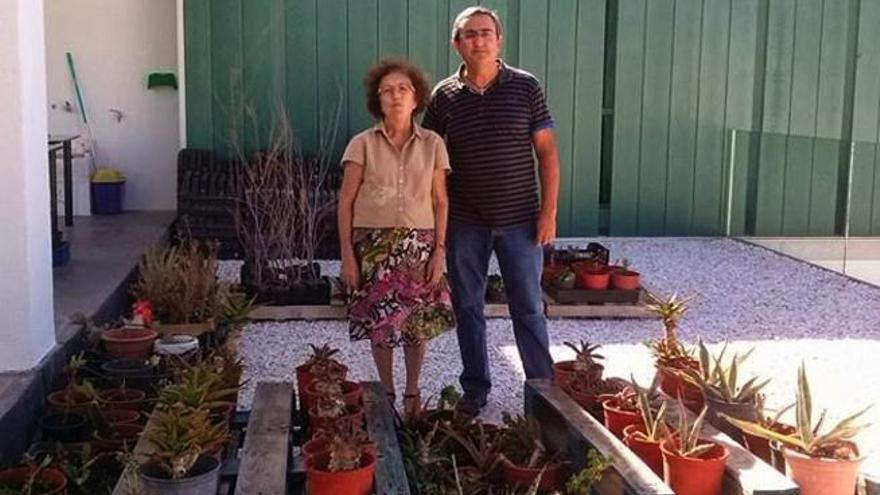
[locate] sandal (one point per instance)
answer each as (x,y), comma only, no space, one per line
(392,398)
(412,405)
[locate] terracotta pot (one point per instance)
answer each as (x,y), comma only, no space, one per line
(524,476)
(129,342)
(317,423)
(622,279)
(121,416)
(352,394)
(617,419)
(760,446)
(304,378)
(122,398)
(321,481)
(820,476)
(69,401)
(563,372)
(694,476)
(591,276)
(126,438)
(674,386)
(16,477)
(649,452)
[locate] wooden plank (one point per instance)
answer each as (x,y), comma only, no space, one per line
(569,429)
(744,473)
(302,70)
(559,87)
(629,75)
(653,163)
(263,466)
(708,175)
(390,473)
(587,127)
(199,83)
(682,122)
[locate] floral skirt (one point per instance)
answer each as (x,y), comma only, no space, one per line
(395,305)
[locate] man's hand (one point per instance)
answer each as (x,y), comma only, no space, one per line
(350,273)
(435,268)
(546,229)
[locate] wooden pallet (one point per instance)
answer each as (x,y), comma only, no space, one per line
(338,312)
(569,429)
(390,472)
(264,458)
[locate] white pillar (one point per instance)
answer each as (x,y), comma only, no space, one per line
(27,328)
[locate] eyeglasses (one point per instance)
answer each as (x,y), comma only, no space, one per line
(392,90)
(472,34)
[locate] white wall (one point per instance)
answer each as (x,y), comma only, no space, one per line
(115,44)
(27,330)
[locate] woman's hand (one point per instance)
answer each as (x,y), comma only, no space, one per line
(350,273)
(435,267)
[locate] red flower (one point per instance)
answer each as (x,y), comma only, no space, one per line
(143,310)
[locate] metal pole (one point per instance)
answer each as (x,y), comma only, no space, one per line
(849,181)
(731,161)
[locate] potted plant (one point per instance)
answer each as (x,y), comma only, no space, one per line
(525,457)
(582,482)
(181,284)
(624,278)
(553,266)
(331,411)
(476,470)
(347,466)
(644,439)
(33,479)
(565,279)
(122,398)
(78,395)
(585,362)
(321,361)
(821,463)
(621,410)
(722,391)
(199,386)
(760,446)
(592,275)
(670,355)
(495,292)
(443,411)
(323,387)
(692,465)
(183,440)
(134,339)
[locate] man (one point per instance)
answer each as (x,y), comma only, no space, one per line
(492,117)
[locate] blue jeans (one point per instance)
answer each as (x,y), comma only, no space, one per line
(520,259)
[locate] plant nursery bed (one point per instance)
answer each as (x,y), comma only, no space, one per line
(608,309)
(571,430)
(586,296)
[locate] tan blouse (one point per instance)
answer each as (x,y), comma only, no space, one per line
(396,186)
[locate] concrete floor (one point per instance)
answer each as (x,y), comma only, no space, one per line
(103,250)
(856,257)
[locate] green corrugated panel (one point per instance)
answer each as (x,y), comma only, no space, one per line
(199,88)
(362,53)
(586,133)
(683,116)
(865,204)
(423,36)
(559,86)
(332,78)
(654,142)
(226,72)
(264,63)
(533,27)
(712,107)
(302,71)
(454,7)
(392,28)
(627,118)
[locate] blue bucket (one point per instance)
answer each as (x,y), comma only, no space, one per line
(107,197)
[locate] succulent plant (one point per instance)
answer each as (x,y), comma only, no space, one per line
(653,418)
(585,355)
(346,446)
(521,441)
(808,438)
(721,381)
(330,407)
(322,361)
(688,443)
(179,436)
(670,310)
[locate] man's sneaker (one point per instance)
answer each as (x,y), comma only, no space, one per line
(470,404)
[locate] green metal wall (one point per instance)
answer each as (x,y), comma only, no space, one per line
(684,71)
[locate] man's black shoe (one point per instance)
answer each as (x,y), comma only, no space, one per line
(470,404)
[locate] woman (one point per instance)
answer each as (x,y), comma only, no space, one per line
(392,227)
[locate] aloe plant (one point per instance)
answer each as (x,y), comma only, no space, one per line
(720,381)
(655,422)
(688,443)
(808,438)
(180,435)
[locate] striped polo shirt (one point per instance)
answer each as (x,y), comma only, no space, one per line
(489,139)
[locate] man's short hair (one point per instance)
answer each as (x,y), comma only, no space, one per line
(386,66)
(469,12)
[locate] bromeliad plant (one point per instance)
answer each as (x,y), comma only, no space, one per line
(198,386)
(808,437)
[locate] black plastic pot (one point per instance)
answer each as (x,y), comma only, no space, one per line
(66,427)
(134,373)
(305,292)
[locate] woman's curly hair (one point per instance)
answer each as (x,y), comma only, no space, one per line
(386,66)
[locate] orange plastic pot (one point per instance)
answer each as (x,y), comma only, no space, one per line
(122,398)
(592,277)
(820,476)
(622,279)
(694,476)
(304,378)
(674,386)
(617,419)
(649,452)
(563,373)
(321,481)
(316,446)
(16,478)
(524,476)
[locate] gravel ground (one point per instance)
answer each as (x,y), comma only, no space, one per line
(746,295)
